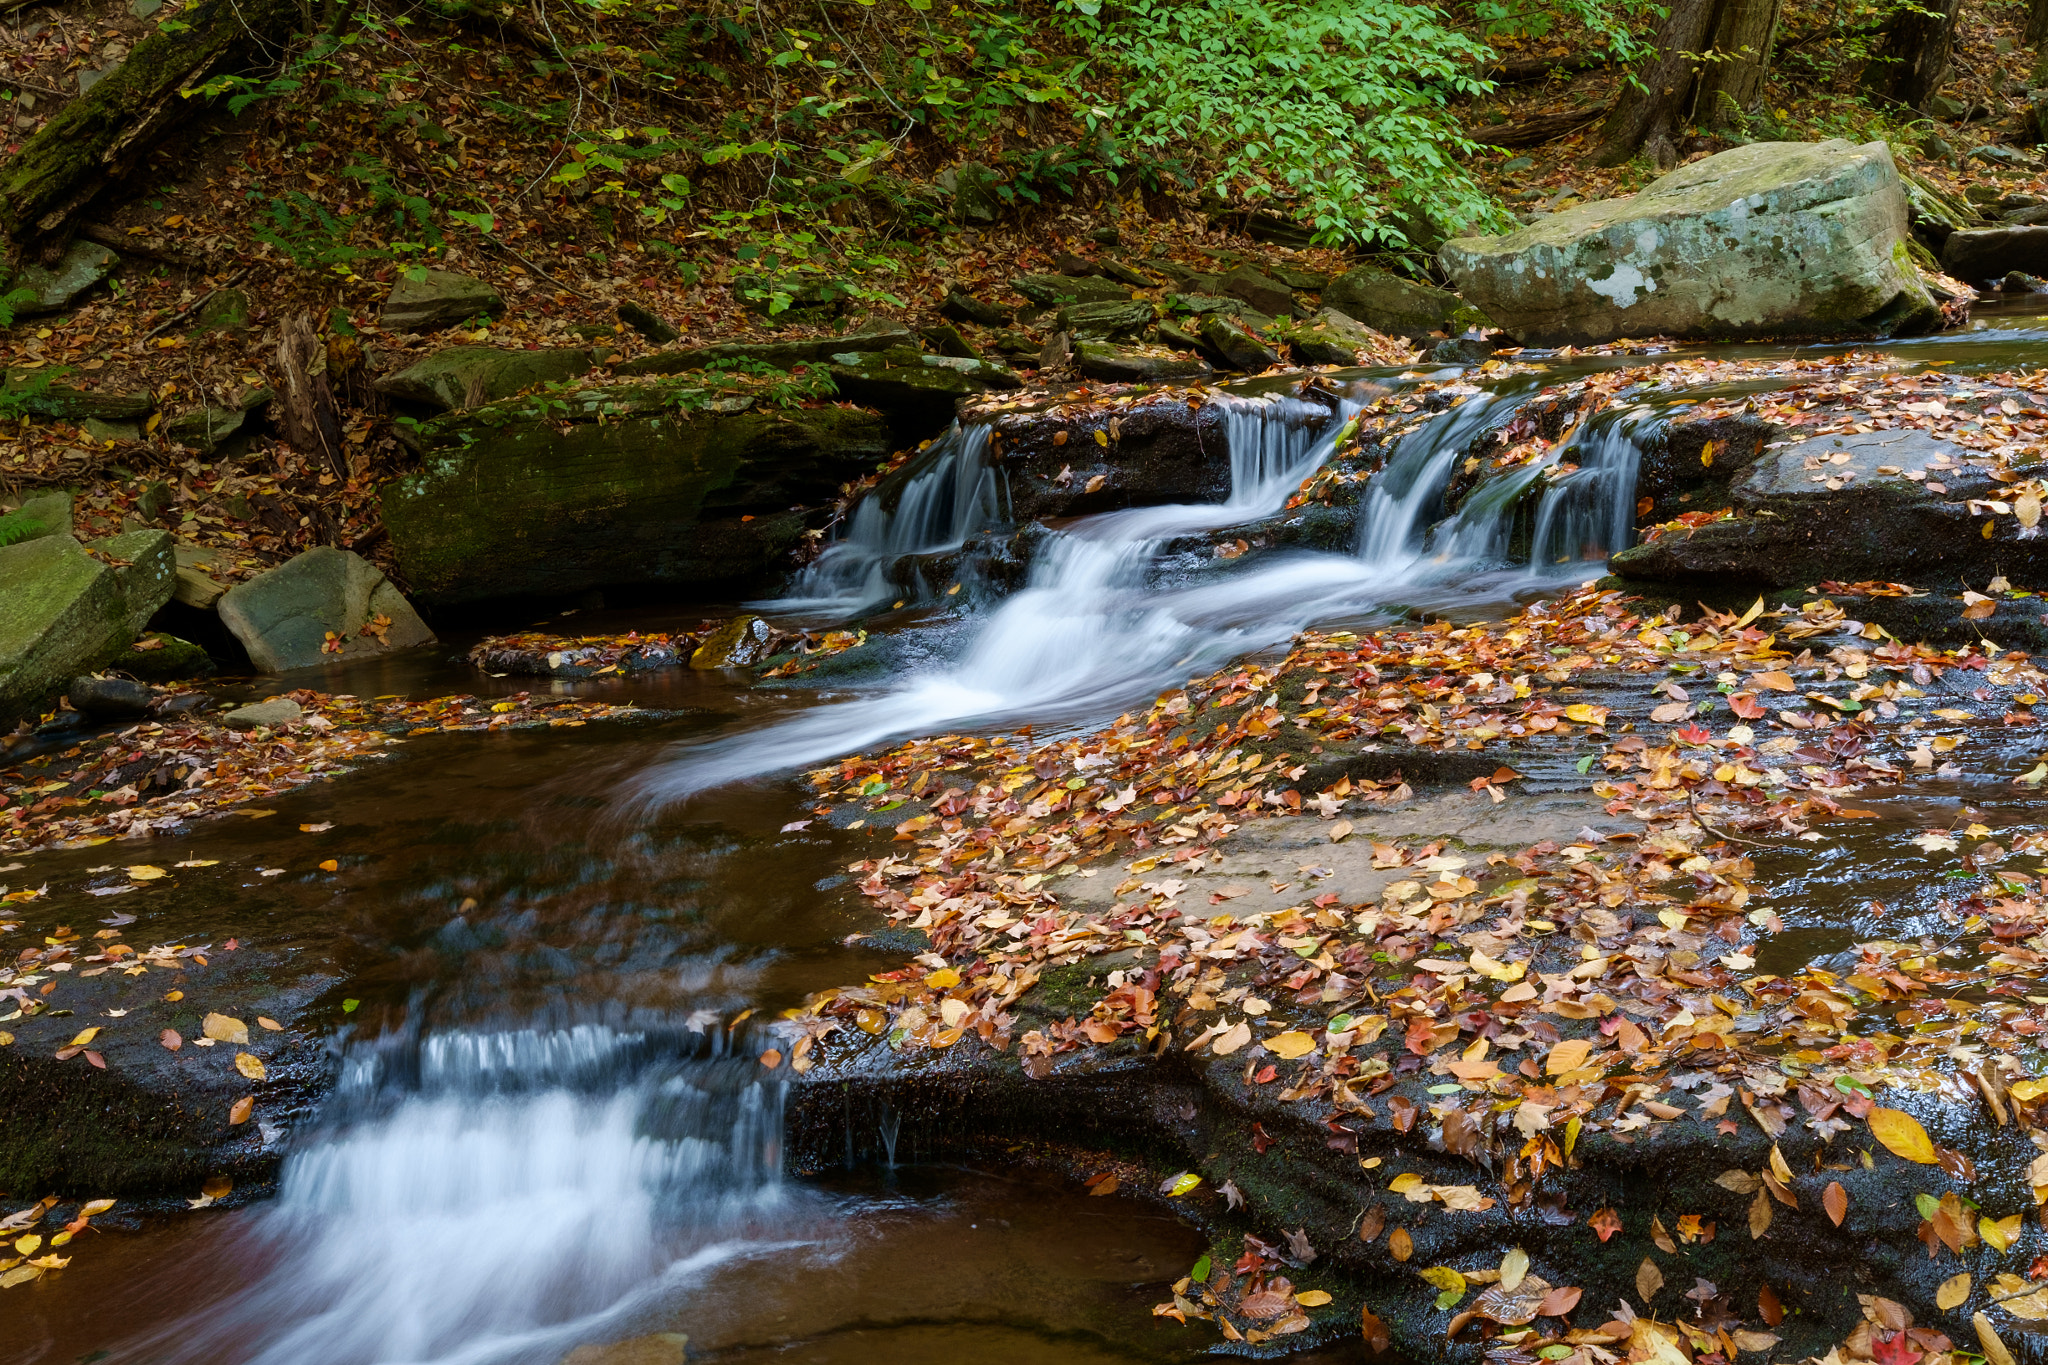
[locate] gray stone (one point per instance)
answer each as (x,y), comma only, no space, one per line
(1098,320)
(623,488)
(1333,338)
(274,714)
(1070,264)
(109,698)
(56,287)
(284,617)
(917,388)
(111,432)
(440,300)
(962,306)
(738,643)
(1237,348)
(780,355)
(1977,255)
(225,310)
(946,339)
(1198,304)
(145,565)
(973,190)
(1136,365)
(62,613)
(1308,281)
(46,514)
(1387,303)
(196,587)
(469,376)
(647,323)
(1770,239)
(1057,291)
(1263,292)
(1792,529)
(206,429)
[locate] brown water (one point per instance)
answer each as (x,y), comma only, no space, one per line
(538,1142)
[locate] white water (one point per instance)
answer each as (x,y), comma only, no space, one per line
(1095,629)
(532,1190)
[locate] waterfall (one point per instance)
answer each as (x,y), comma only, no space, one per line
(1098,625)
(496,1197)
(946,495)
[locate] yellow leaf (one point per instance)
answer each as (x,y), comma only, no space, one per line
(1586,714)
(143,872)
(1232,1038)
(97,1206)
(250,1065)
(21,1274)
(1779,1168)
(1999,1233)
(1101,437)
(1404,1182)
(1445,1278)
(1902,1134)
(1498,971)
(270,1024)
(1514,1268)
(330,865)
(27,1245)
(1995,1350)
(1954,1291)
(1182,1183)
(1291,1045)
(1756,609)
(85,1036)
(1568,1055)
(1339,830)
(945,978)
(223,1029)
(1312,1298)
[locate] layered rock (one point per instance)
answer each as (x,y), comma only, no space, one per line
(66,612)
(1771,239)
(322,605)
(629,487)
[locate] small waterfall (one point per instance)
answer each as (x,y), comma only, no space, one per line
(947,495)
(1408,494)
(1589,513)
(496,1197)
(1275,442)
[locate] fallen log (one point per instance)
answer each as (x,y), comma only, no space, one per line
(1534,132)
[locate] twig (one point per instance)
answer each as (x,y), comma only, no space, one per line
(110,236)
(508,250)
(19,84)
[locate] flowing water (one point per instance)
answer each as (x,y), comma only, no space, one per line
(540,1139)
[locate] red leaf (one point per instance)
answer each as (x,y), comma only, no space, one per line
(96,1059)
(1266,1074)
(1768,1307)
(1606,1222)
(1892,1348)
(1692,734)
(1745,705)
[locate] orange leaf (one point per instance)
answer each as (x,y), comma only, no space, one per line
(244,1107)
(1835,1200)
(1606,1223)
(1559,1301)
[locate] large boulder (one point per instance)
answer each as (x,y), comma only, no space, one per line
(1137,364)
(56,287)
(919,391)
(440,298)
(64,612)
(468,376)
(46,514)
(1771,239)
(1389,304)
(318,606)
(1891,505)
(1335,338)
(627,487)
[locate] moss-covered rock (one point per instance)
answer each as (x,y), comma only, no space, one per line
(64,612)
(616,486)
(1771,239)
(467,376)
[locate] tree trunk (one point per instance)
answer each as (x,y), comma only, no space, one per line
(1733,79)
(1910,64)
(2037,24)
(1644,113)
(103,135)
(311,422)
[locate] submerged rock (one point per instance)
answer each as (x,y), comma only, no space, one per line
(1771,239)
(322,605)
(264,715)
(739,643)
(628,487)
(109,698)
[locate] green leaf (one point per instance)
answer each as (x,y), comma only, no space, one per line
(349,1006)
(1200,1274)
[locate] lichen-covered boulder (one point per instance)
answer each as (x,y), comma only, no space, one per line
(440,298)
(56,287)
(468,376)
(64,612)
(1137,364)
(322,605)
(1771,239)
(629,485)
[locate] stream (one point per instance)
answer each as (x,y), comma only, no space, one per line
(541,1140)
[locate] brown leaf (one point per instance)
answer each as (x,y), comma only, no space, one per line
(1376,1334)
(1559,1301)
(1649,1280)
(1373,1223)
(170,1039)
(1759,1216)
(1835,1200)
(243,1107)
(1661,1237)
(1400,1244)
(1768,1308)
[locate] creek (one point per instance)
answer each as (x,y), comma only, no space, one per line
(541,1139)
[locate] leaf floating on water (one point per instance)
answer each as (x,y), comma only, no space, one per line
(143,872)
(1649,1280)
(1903,1136)
(1953,1293)
(1835,1200)
(1181,1184)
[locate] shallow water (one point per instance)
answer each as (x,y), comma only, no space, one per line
(540,1142)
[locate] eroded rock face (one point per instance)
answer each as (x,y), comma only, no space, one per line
(1884,505)
(1771,239)
(515,501)
(1387,303)
(284,617)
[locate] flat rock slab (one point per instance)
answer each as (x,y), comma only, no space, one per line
(1771,239)
(264,715)
(323,605)
(466,376)
(440,299)
(1982,255)
(56,287)
(64,612)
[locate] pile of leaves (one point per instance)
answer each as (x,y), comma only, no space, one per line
(152,778)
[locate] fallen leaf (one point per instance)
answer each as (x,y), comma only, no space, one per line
(1903,1136)
(1339,830)
(223,1029)
(1835,1200)
(1513,1267)
(143,872)
(1181,1184)
(1568,1055)
(170,1039)
(1953,1293)
(1649,1280)
(1290,1045)
(1312,1298)
(270,1024)
(1995,1349)
(250,1065)
(1400,1245)
(241,1110)
(1559,1301)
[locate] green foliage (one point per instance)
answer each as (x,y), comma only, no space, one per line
(16,527)
(1336,104)
(790,267)
(11,302)
(25,393)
